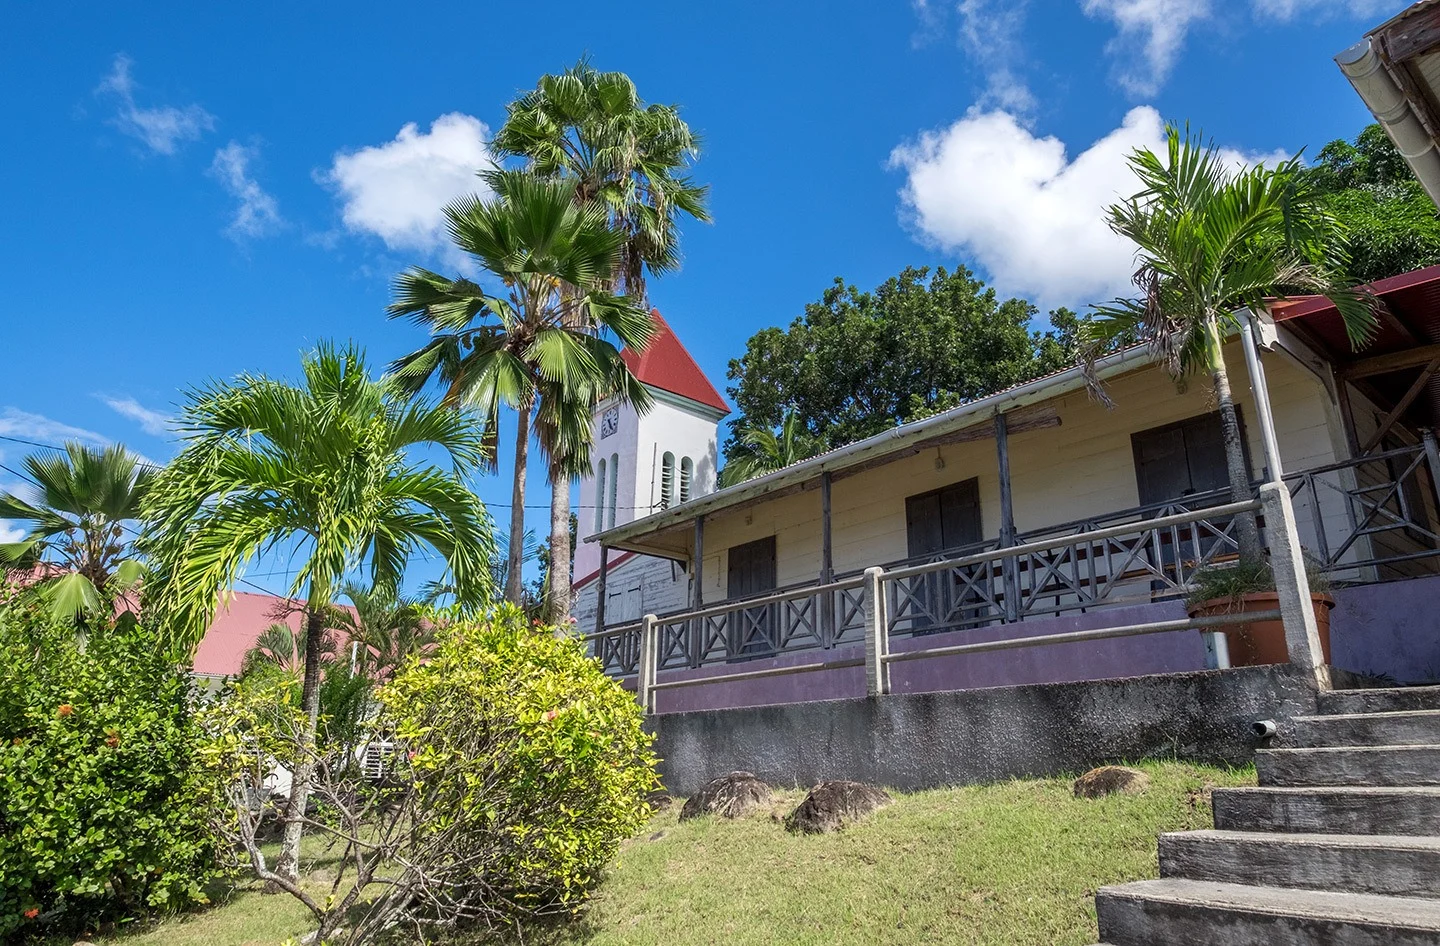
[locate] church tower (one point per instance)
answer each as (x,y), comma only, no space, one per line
(643,464)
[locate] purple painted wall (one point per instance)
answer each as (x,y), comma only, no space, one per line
(1055,663)
(1391,629)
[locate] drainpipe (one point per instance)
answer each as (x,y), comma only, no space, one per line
(1362,65)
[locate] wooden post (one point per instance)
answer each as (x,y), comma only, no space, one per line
(827,566)
(600,592)
(697,559)
(877,633)
(1009,566)
(1432,459)
(695,630)
(649,658)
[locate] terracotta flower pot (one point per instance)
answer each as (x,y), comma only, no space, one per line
(1263,642)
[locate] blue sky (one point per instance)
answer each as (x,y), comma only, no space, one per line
(200,189)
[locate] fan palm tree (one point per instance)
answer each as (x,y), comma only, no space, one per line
(1213,242)
(763,451)
(321,469)
(591,130)
(387,627)
(77,514)
(542,348)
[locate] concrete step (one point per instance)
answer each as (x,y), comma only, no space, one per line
(1329,810)
(1404,728)
(1350,765)
(1356,863)
(1390,699)
(1203,913)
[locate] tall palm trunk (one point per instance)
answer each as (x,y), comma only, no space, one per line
(1247,533)
(288,864)
(515,554)
(557,598)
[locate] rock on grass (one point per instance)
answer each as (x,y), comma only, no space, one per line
(832,805)
(730,796)
(1110,779)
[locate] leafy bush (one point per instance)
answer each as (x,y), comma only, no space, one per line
(516,770)
(564,767)
(104,810)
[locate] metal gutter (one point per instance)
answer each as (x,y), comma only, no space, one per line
(897,438)
(1378,89)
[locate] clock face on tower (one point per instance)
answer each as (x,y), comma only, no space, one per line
(609,422)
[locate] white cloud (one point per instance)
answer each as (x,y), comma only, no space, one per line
(398,190)
(162,128)
(154,423)
(1287,10)
(10,534)
(257,213)
(40,429)
(990,34)
(1151,35)
(1024,210)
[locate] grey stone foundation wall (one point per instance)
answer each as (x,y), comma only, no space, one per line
(928,740)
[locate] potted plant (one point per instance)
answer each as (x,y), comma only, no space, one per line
(1250,586)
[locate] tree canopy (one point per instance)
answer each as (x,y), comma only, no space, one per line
(857,363)
(1391,223)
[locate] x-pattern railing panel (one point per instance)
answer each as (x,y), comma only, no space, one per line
(619,652)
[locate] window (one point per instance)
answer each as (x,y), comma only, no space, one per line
(600,497)
(1182,459)
(667,480)
(687,473)
(614,488)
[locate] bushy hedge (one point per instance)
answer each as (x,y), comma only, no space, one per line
(104,811)
(524,743)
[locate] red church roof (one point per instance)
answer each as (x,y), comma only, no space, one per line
(668,366)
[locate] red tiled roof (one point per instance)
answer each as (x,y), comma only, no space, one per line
(665,364)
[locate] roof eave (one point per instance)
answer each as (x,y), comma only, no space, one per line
(890,441)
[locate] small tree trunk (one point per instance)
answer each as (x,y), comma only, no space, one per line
(557,598)
(515,555)
(288,864)
(1247,533)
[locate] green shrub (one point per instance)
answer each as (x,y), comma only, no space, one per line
(103,808)
(528,748)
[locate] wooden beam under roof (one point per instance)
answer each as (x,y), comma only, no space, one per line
(1417,357)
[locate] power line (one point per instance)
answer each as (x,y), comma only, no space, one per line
(152,466)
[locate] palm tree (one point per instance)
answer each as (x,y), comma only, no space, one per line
(590,129)
(387,627)
(323,470)
(1213,242)
(541,348)
(762,450)
(283,647)
(77,515)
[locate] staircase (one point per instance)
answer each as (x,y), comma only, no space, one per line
(1339,846)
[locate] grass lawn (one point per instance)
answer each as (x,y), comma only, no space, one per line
(1014,864)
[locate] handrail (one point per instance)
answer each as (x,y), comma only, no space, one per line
(1354,462)
(804,591)
(758,674)
(1098,535)
(1099,634)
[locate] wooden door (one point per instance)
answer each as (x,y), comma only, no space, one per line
(750,571)
(938,521)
